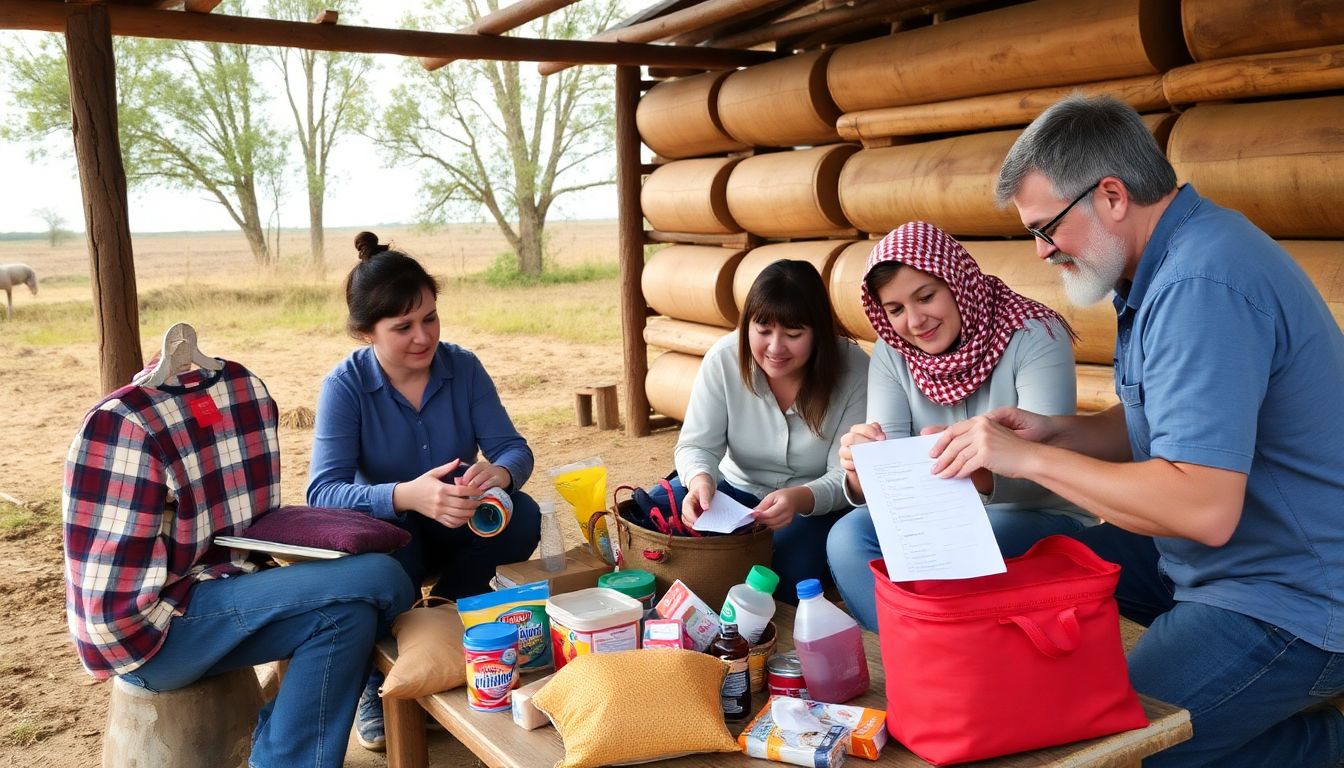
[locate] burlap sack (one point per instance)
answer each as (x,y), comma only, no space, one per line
(429,651)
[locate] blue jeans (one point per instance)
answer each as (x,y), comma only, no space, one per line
(799,547)
(323,616)
(1246,683)
(853,543)
(463,561)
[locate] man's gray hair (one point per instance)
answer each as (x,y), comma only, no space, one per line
(1081,139)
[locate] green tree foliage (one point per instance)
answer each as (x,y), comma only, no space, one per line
(326,92)
(191,116)
(497,136)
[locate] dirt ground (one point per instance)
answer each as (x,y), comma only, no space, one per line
(53,714)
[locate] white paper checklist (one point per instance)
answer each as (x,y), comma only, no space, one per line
(928,527)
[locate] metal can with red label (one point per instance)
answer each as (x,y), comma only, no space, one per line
(784,676)
(492,663)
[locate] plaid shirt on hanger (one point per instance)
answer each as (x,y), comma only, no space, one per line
(153,475)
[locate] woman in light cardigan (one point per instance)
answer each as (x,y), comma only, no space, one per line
(953,343)
(767,411)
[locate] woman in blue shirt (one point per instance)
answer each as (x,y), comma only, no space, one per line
(402,424)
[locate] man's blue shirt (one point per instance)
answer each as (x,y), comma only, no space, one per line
(1227,356)
(368,438)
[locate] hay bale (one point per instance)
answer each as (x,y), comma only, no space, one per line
(301,417)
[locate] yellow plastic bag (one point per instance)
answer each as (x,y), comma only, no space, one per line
(584,485)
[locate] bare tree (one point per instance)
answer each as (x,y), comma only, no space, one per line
(326,92)
(190,116)
(54,222)
(496,136)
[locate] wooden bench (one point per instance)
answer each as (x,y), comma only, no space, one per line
(500,744)
(600,398)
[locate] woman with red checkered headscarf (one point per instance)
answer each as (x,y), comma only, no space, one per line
(953,343)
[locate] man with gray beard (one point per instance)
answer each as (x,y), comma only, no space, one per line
(1220,474)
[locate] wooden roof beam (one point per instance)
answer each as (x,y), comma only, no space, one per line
(195,6)
(506,19)
(129,21)
(891,10)
(699,15)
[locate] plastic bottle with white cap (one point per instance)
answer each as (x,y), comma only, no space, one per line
(751,605)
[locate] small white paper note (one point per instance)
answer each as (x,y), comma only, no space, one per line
(928,527)
(725,515)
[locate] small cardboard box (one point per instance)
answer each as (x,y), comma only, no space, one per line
(861,732)
(580,572)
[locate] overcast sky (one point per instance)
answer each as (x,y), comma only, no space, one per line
(361,191)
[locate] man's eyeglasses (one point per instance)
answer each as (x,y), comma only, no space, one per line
(1042,232)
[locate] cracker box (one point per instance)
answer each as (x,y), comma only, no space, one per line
(865,730)
(701,623)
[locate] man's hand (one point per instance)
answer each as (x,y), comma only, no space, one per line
(994,442)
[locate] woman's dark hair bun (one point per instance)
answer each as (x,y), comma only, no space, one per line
(367,246)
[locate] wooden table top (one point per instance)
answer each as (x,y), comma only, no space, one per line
(494,738)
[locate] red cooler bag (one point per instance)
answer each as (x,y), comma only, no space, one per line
(1026,659)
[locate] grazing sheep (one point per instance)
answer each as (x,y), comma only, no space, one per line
(16,274)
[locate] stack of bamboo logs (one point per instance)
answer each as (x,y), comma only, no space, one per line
(935,108)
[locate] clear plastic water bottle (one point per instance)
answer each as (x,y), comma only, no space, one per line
(552,543)
(751,606)
(830,647)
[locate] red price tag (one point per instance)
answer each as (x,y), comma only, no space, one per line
(203,409)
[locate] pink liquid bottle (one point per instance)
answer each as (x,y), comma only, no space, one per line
(830,647)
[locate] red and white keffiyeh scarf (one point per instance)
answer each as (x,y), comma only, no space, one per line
(991,312)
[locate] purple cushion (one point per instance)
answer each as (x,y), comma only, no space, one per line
(341,529)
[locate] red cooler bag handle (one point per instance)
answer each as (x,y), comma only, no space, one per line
(1068,621)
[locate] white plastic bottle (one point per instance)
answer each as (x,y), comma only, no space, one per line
(552,543)
(830,647)
(751,605)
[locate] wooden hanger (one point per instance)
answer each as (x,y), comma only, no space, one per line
(179,354)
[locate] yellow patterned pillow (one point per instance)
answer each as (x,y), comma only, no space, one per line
(636,706)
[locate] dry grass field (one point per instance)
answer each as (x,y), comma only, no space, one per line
(287,325)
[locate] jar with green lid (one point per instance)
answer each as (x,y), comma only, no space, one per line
(636,584)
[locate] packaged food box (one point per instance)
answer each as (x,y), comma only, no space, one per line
(664,633)
(865,731)
(700,622)
(525,713)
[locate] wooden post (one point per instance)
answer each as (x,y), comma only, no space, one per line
(102,181)
(634,311)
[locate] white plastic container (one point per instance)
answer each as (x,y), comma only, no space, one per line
(830,646)
(594,620)
(751,605)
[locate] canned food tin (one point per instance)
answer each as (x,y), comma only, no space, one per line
(491,665)
(784,676)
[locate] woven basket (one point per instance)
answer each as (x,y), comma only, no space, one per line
(709,565)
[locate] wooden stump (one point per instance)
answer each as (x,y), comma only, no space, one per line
(208,723)
(599,397)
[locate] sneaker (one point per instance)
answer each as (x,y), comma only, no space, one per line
(369,716)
